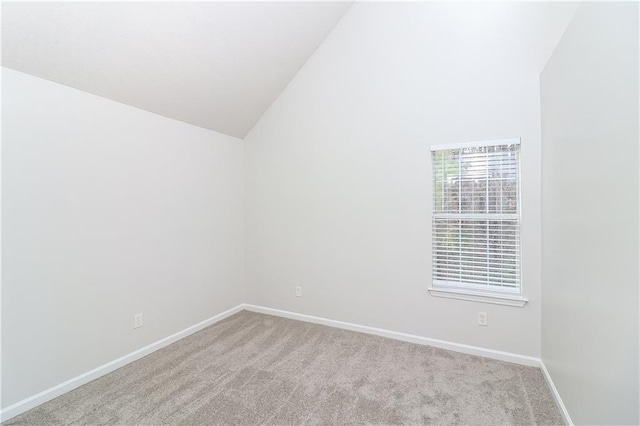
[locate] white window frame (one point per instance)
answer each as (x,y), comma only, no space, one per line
(479,292)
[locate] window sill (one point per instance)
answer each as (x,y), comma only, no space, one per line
(496,299)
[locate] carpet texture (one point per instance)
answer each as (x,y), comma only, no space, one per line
(252,369)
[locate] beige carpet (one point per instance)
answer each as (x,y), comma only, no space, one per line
(254,369)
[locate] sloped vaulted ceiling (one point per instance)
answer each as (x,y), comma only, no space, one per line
(217,65)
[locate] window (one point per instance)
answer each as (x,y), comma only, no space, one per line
(476,221)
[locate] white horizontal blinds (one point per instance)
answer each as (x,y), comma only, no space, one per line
(476,217)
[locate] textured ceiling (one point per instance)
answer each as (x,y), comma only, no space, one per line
(217,65)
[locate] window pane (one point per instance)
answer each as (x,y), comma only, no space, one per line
(476,239)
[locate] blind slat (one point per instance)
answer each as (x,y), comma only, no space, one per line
(476,219)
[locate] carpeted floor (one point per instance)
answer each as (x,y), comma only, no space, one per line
(254,369)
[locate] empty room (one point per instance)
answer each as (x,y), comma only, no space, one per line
(320,213)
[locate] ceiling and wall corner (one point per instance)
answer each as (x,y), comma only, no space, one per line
(368,101)
(217,65)
(337,171)
(407,74)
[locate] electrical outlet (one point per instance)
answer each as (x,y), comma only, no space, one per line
(298,291)
(482,318)
(137,320)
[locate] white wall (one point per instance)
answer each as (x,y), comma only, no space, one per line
(589,95)
(337,173)
(108,211)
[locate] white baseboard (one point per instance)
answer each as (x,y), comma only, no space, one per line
(556,395)
(47,395)
(457,347)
